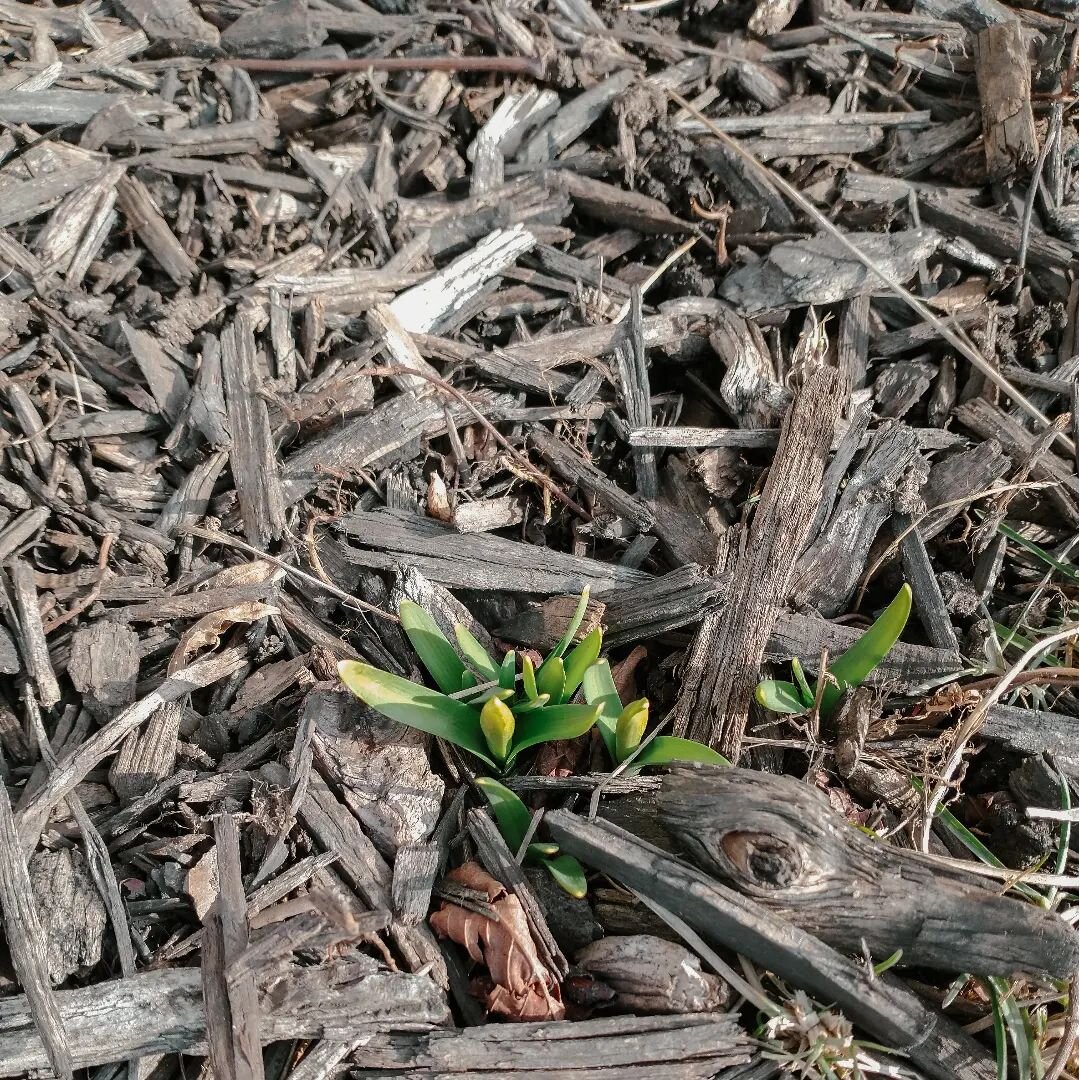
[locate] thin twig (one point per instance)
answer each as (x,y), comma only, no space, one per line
(510,65)
(1029,203)
(1068,1038)
(957,340)
(217,537)
(78,608)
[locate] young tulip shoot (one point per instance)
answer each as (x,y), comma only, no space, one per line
(630,728)
(497,723)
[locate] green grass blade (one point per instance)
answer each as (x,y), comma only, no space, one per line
(573,626)
(599,688)
(852,667)
(580,659)
(554,722)
(511,814)
(665,749)
(476,655)
(416,706)
(779,697)
(1039,553)
(551,679)
(508,671)
(1006,1007)
(432,646)
(569,874)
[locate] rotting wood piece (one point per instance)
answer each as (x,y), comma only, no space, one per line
(779,842)
(723,665)
(1003,73)
(887,1010)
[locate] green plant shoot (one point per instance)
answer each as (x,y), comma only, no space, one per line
(849,670)
(508,713)
(513,818)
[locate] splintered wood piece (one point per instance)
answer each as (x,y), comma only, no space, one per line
(890,1012)
(723,664)
(473,562)
(426,307)
(828,570)
(172,24)
(29,950)
(780,843)
(73,768)
(232,1004)
(145,218)
(163,1012)
(72,913)
(255,466)
(34,650)
(1003,74)
(103,665)
(416,867)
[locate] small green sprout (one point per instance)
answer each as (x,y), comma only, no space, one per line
(513,818)
(622,729)
(482,705)
(848,670)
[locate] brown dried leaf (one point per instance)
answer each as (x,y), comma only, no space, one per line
(623,673)
(206,633)
(523,988)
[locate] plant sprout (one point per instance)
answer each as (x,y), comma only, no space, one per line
(481,705)
(849,669)
(513,818)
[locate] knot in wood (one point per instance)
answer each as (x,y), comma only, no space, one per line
(764,859)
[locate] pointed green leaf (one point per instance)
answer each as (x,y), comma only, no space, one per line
(537,702)
(581,658)
(852,667)
(528,677)
(554,722)
(665,749)
(417,706)
(779,697)
(573,626)
(804,688)
(432,646)
(476,655)
(599,688)
(508,671)
(511,814)
(468,680)
(569,873)
(551,678)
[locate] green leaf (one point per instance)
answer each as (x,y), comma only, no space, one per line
(528,677)
(804,688)
(417,706)
(508,671)
(851,668)
(581,658)
(511,814)
(665,749)
(574,625)
(888,962)
(1040,553)
(552,723)
(468,680)
(551,678)
(600,690)
(537,702)
(536,853)
(569,873)
(476,655)
(432,646)
(779,697)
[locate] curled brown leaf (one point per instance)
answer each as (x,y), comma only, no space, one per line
(522,987)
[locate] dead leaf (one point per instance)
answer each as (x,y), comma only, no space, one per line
(623,673)
(522,987)
(206,633)
(250,573)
